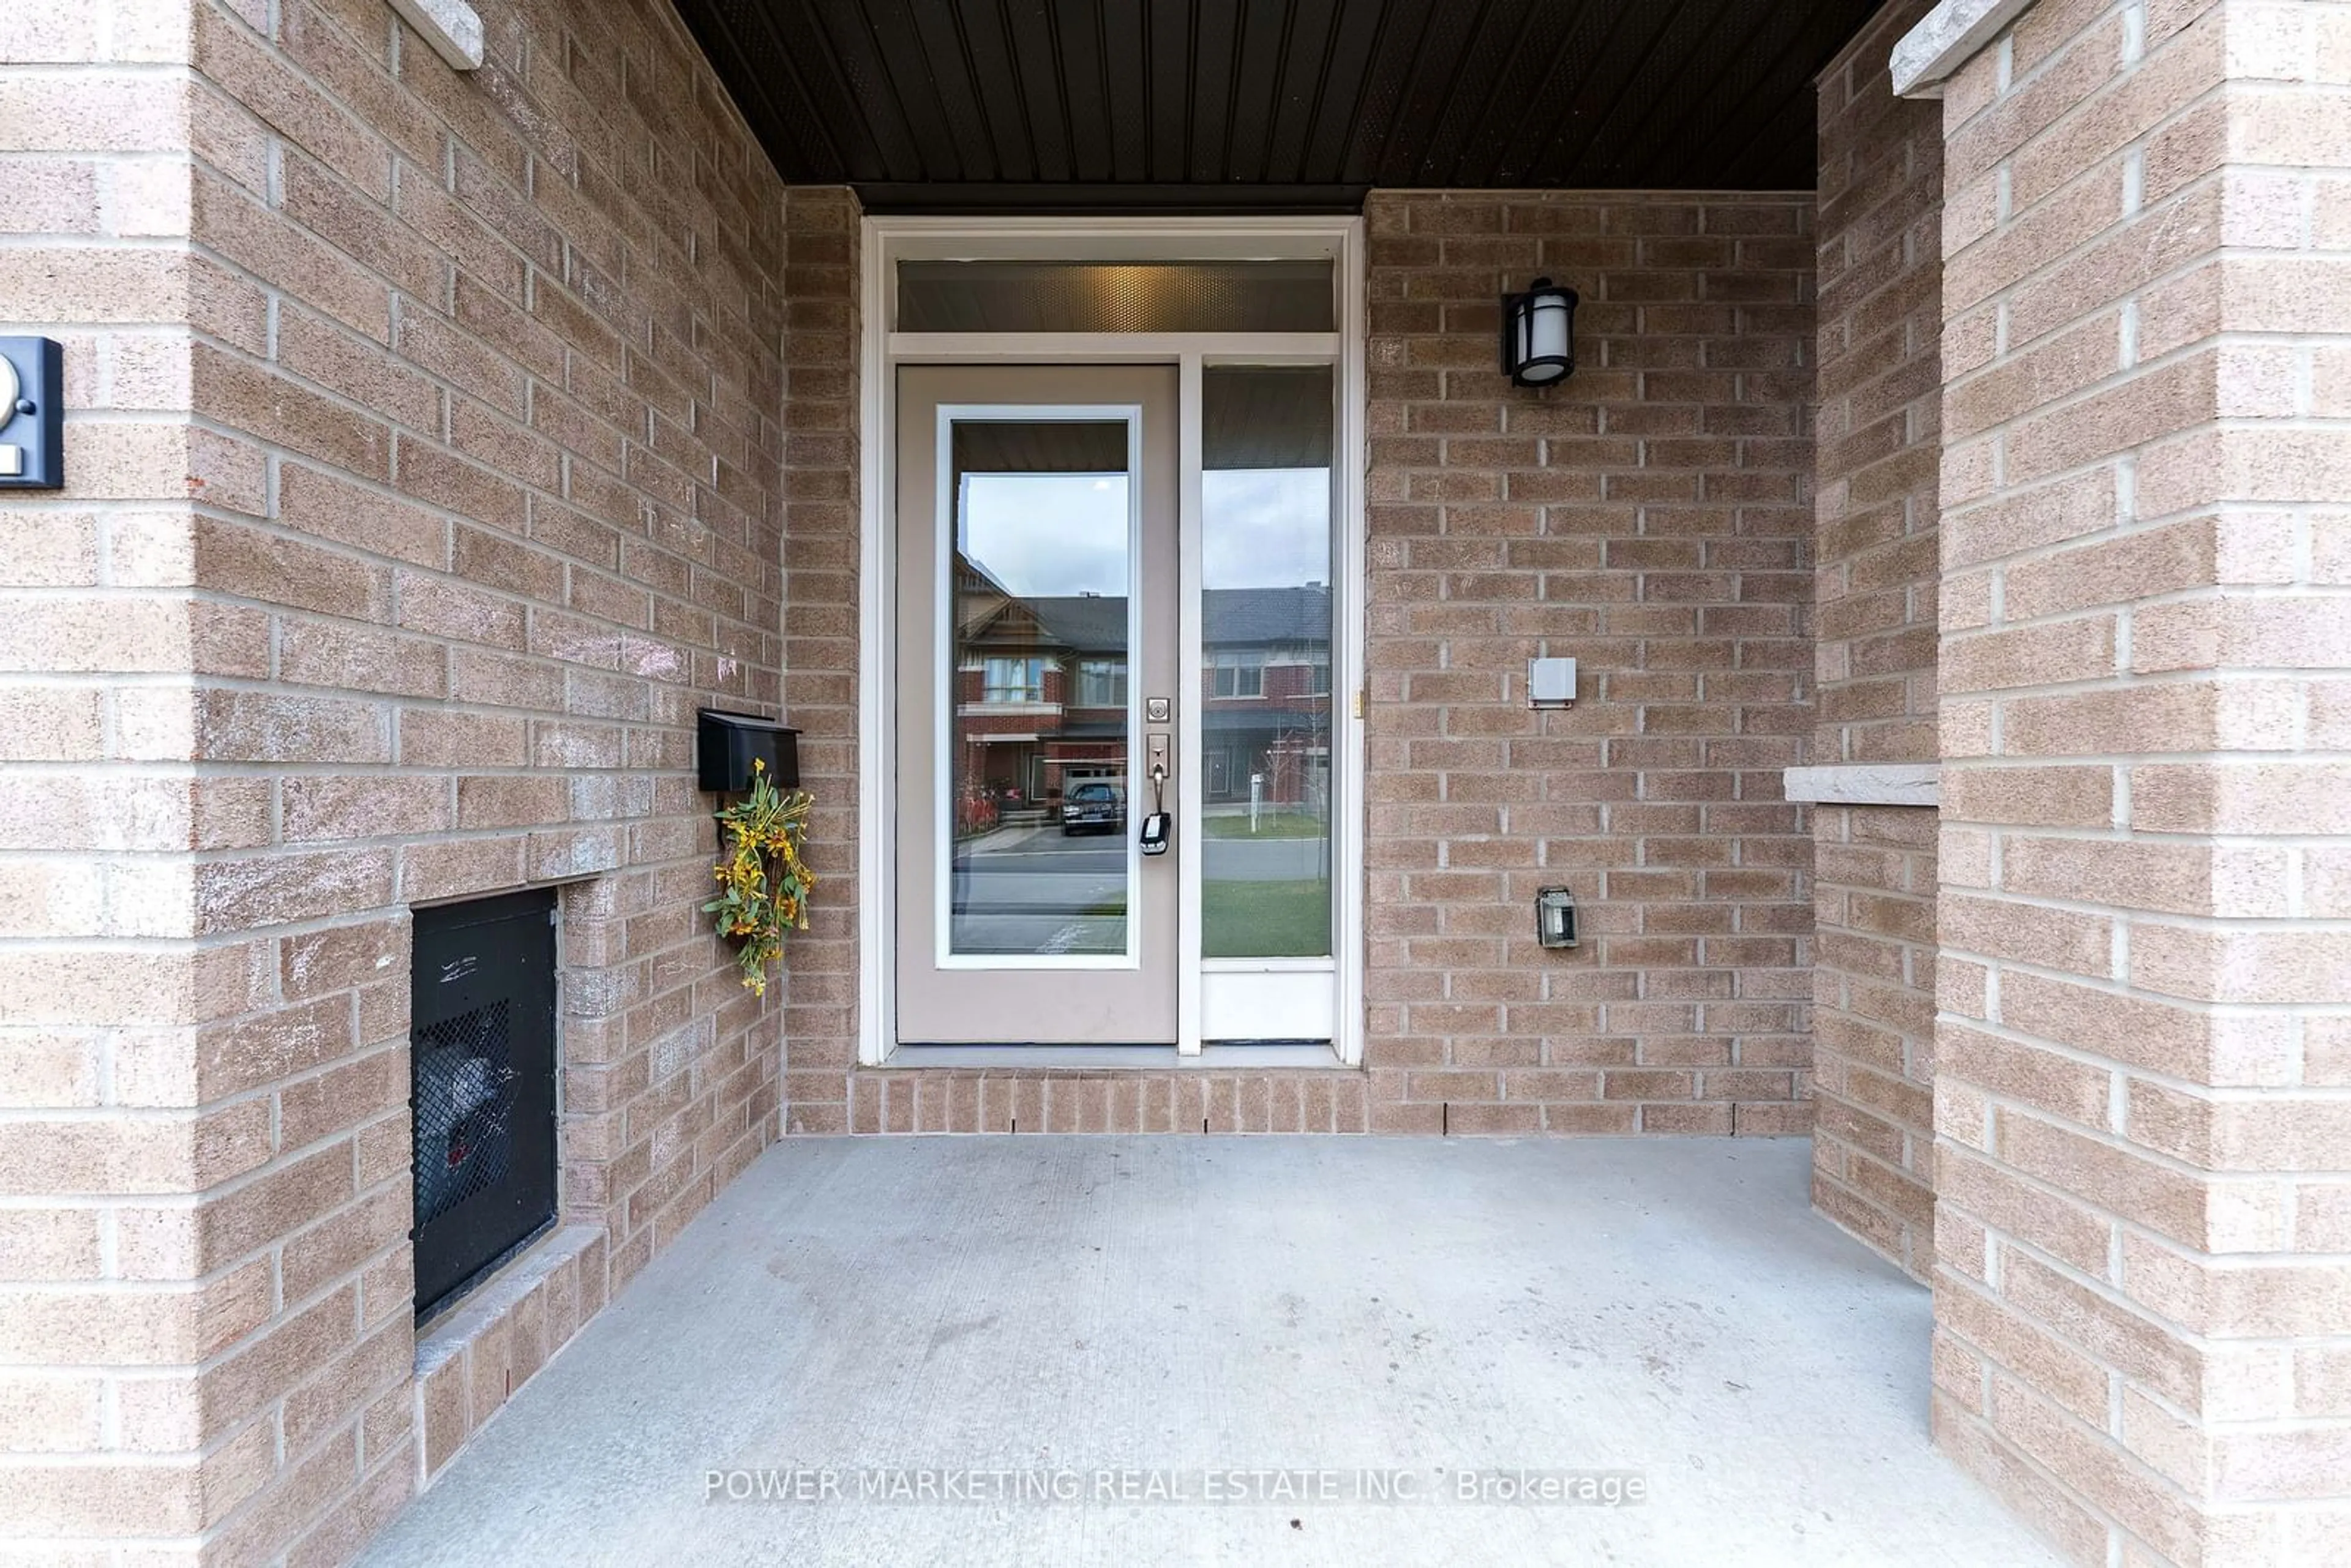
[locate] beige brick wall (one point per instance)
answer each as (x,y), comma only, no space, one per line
(102,1307)
(1652,518)
(1880,384)
(1879,438)
(483,498)
(1874,1027)
(822,602)
(1073,1100)
(2143,1300)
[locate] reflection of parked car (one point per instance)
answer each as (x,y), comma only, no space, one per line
(1094,809)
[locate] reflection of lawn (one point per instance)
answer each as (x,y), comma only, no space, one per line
(1270,825)
(1265,919)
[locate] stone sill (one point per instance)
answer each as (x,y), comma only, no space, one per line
(469,1364)
(1945,39)
(453,27)
(1867,784)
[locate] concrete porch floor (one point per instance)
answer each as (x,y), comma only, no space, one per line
(1670,1307)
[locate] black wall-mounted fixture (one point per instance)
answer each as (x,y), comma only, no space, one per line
(1539,334)
(32,414)
(1555,917)
(728,743)
(481,1054)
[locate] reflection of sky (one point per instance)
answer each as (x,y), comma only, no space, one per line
(1045,535)
(1051,535)
(1266,528)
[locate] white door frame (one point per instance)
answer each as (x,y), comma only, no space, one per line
(885,242)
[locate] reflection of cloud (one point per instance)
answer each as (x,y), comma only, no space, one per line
(1266,528)
(1049,535)
(1046,536)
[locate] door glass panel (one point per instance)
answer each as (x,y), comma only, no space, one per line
(1265,680)
(1038,722)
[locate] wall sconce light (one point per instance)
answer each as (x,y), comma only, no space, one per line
(1539,334)
(1555,917)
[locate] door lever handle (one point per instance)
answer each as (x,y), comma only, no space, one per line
(1158,824)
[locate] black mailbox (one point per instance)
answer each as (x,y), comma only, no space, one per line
(731,742)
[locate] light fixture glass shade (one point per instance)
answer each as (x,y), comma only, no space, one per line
(1539,334)
(1547,330)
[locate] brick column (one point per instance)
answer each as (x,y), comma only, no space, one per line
(1877,438)
(423,478)
(2143,1283)
(820,654)
(104,998)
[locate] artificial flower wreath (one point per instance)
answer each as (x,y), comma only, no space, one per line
(763,883)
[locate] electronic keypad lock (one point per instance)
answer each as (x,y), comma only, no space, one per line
(1155,833)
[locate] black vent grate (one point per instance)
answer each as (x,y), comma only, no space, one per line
(464,1105)
(481,1051)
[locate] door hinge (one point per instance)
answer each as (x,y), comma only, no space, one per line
(1359,702)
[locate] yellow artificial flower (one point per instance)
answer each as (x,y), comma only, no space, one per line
(763,879)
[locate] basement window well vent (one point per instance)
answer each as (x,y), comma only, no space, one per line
(481,1087)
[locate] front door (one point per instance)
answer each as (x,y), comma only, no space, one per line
(1037,705)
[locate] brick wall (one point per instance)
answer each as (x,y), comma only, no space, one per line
(820,650)
(97,976)
(1880,386)
(2143,1302)
(1652,517)
(482,500)
(1879,437)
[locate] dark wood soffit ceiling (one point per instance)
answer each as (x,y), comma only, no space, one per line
(1039,105)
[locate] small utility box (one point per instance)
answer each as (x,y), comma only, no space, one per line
(1551,682)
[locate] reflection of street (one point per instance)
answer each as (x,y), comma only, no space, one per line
(1032,890)
(1265,860)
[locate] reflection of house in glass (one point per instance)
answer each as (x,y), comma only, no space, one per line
(1041,699)
(1041,695)
(1265,693)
